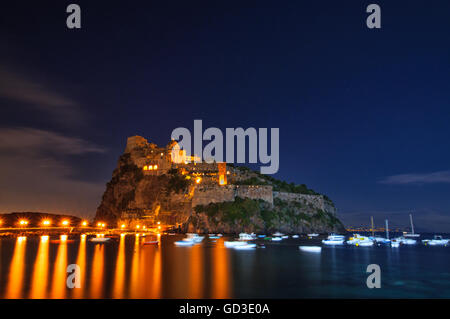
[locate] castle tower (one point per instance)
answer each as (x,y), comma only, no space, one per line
(222,173)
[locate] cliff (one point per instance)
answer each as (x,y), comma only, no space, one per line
(148,187)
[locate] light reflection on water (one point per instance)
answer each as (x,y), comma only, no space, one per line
(125,268)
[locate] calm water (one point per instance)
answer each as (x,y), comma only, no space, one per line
(33,268)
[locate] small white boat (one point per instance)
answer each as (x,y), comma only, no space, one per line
(100,239)
(295,236)
(214,237)
(285,237)
(245,247)
(245,236)
(184,242)
(277,234)
(261,236)
(232,244)
(333,240)
(194,237)
(406,241)
(277,239)
(395,243)
(310,249)
(358,240)
(313,235)
(436,241)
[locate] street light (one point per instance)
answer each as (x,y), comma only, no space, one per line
(23,222)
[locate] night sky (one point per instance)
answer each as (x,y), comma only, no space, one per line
(363,113)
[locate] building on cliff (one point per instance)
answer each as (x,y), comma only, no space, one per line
(153,185)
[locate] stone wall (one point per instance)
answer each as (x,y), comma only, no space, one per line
(264,192)
(204,195)
(317,201)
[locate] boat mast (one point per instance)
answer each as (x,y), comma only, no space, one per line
(412,225)
(371,219)
(387,229)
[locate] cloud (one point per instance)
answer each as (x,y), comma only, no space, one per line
(39,97)
(35,177)
(35,141)
(415,178)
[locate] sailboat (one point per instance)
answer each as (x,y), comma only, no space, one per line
(379,239)
(408,238)
(411,234)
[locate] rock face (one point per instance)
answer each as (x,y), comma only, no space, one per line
(149,186)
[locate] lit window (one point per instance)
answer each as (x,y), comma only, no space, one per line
(150,167)
(145,168)
(155,167)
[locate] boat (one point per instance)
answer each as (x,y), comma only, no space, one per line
(214,237)
(184,243)
(232,244)
(406,241)
(245,247)
(194,237)
(313,235)
(261,236)
(358,240)
(150,242)
(334,239)
(436,241)
(310,249)
(411,234)
(277,234)
(395,243)
(277,239)
(379,239)
(245,236)
(100,239)
(295,236)
(285,237)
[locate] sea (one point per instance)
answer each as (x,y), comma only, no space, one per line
(124,267)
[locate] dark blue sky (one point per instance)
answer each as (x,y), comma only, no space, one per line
(363,114)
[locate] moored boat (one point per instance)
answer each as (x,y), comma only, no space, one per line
(310,249)
(100,239)
(231,244)
(245,247)
(150,242)
(334,239)
(436,241)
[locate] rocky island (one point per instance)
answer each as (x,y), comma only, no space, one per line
(149,187)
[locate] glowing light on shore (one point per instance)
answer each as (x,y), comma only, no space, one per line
(138,226)
(23,222)
(122,226)
(46,222)
(198,180)
(84,223)
(65,223)
(63,237)
(21,239)
(44,238)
